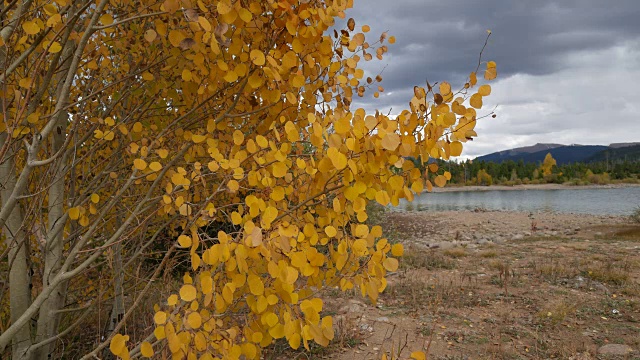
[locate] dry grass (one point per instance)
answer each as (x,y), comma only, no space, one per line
(426,259)
(556,311)
(455,253)
(488,254)
(539,298)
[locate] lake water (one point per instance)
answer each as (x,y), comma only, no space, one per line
(618,201)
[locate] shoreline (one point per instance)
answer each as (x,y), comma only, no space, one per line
(530,187)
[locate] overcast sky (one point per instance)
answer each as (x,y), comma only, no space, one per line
(568,70)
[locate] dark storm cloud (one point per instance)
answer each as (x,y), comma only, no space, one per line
(568,51)
(444,37)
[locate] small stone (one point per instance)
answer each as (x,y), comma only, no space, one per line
(446,245)
(601,288)
(383,319)
(615,349)
(518,237)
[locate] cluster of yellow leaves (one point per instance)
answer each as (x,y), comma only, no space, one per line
(296,183)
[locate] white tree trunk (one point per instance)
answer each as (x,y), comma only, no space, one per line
(16,240)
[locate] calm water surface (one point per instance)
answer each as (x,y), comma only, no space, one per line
(620,201)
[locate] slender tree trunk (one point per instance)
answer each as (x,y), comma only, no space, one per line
(117,312)
(18,243)
(49,318)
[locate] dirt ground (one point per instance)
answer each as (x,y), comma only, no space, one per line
(500,285)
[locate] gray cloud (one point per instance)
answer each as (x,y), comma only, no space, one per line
(563,66)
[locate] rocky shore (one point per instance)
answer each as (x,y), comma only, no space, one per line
(449,229)
(500,285)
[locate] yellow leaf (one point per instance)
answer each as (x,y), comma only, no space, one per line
(238,137)
(84,221)
(440,181)
(382,198)
(95,198)
(391,264)
(298,81)
(30,27)
(150,35)
(429,186)
(55,47)
(245,15)
(186,75)
(455,148)
(162,153)
(418,355)
(146,349)
(175,37)
(233,185)
(397,250)
(159,332)
(50,9)
(227,293)
(484,90)
(476,101)
(257,57)
(256,286)
(330,231)
(255,81)
(184,241)
(391,141)
(106,19)
(54,20)
(118,344)
(473,78)
(197,139)
(160,318)
(445,88)
(25,83)
(172,300)
(294,341)
(74,213)
(155,166)
(270,213)
(139,164)
(188,292)
(278,193)
(490,74)
(279,169)
(362,230)
(231,76)
(262,141)
(194,320)
(338,159)
(224,7)
(255,237)
(204,23)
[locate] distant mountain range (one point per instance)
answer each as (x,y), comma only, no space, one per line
(565,154)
